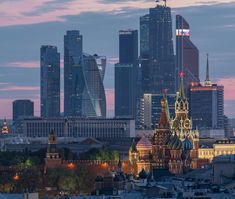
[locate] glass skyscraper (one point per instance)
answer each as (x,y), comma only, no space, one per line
(187,54)
(22,109)
(73,78)
(156,51)
(126,74)
(207,104)
(50,81)
(93,95)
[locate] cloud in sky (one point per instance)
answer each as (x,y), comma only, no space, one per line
(21,64)
(30,12)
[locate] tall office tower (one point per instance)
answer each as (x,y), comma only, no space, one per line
(207,104)
(73,73)
(126,74)
(187,54)
(93,95)
(151,109)
(50,81)
(156,51)
(22,109)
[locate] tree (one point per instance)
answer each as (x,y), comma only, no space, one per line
(67,180)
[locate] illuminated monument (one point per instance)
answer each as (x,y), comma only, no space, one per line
(5,129)
(174,146)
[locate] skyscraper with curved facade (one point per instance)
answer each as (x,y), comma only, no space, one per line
(93,95)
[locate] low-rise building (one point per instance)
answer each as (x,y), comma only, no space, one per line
(80,127)
(220,147)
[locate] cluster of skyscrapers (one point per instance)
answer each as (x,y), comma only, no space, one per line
(84,94)
(140,79)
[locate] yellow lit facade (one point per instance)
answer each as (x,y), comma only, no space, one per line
(221,147)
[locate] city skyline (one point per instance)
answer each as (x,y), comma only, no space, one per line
(25,63)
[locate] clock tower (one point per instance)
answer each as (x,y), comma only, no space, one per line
(181,124)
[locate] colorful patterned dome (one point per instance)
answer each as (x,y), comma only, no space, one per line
(174,143)
(187,144)
(144,144)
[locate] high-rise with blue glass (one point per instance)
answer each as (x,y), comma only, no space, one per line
(50,81)
(73,77)
(156,51)
(93,95)
(126,74)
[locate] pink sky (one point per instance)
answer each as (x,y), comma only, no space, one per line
(21,11)
(6,104)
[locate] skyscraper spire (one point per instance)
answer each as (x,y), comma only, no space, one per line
(207,80)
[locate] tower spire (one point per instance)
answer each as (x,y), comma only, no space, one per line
(181,88)
(207,80)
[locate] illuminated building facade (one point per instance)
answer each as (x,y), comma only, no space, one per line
(207,104)
(187,54)
(220,147)
(5,129)
(50,81)
(73,77)
(126,74)
(156,51)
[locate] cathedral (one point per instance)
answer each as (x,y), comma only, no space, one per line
(174,145)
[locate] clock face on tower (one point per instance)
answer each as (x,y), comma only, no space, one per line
(187,124)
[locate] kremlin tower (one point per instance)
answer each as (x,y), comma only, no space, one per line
(5,129)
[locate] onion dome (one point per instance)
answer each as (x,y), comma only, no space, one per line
(174,143)
(99,179)
(144,144)
(187,144)
(143,174)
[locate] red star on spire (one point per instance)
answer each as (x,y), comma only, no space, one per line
(182,74)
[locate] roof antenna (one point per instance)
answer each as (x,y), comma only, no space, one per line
(165,2)
(157,1)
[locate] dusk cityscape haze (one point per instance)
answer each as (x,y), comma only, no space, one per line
(26,26)
(126,99)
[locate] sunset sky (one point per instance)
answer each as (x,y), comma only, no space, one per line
(25,25)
